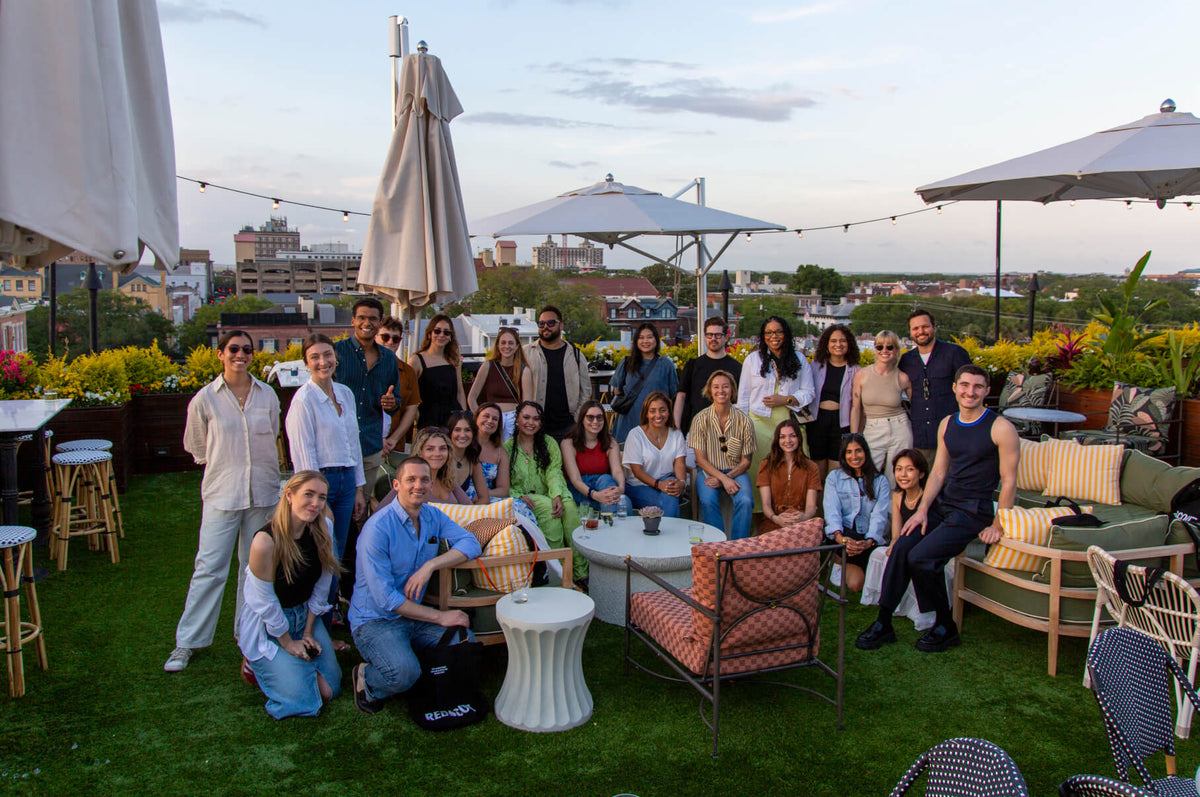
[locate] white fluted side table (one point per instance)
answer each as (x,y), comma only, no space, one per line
(544,689)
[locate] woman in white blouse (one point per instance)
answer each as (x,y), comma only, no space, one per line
(776,379)
(231,428)
(322,431)
(292,564)
(656,456)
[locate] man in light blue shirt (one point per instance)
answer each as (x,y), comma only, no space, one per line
(397,554)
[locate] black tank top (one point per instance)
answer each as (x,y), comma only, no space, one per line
(439,394)
(831,389)
(905,512)
(974,465)
(307,572)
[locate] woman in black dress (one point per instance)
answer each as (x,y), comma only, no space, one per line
(439,373)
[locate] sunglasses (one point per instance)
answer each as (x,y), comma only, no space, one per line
(443,332)
(551,323)
(233,348)
(435,430)
(508,329)
(387,337)
(591,416)
(884,347)
(853,437)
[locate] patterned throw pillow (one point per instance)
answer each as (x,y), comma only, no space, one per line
(1085,473)
(1140,411)
(1025,390)
(505,578)
(1032,526)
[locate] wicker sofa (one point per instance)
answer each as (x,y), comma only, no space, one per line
(1060,597)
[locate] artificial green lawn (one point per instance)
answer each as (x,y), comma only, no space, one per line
(106,719)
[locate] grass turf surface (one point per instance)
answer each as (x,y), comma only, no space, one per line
(106,718)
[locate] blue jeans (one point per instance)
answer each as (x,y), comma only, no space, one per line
(289,683)
(596,481)
(743,505)
(388,648)
(341,504)
(642,495)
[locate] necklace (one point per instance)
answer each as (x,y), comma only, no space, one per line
(911,504)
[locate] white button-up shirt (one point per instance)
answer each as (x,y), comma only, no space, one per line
(754,387)
(235,444)
(320,438)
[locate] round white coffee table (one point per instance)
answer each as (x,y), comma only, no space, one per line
(544,689)
(669,554)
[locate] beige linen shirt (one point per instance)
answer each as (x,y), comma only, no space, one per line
(236,446)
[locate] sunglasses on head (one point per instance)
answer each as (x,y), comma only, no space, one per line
(884,347)
(435,430)
(855,437)
(233,348)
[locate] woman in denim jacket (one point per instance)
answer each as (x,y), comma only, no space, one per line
(857,506)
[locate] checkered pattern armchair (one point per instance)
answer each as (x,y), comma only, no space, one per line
(1097,786)
(754,607)
(965,768)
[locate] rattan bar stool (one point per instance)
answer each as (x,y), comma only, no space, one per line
(83,505)
(16,565)
(99,444)
(25,497)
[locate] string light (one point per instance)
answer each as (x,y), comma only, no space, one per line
(799,233)
(274,204)
(1188,204)
(275,201)
(1072,203)
(939,208)
(1129,204)
(845,228)
(893,221)
(203,186)
(345,215)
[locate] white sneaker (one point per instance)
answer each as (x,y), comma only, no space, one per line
(178,660)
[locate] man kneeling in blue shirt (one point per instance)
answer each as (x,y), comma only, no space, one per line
(397,553)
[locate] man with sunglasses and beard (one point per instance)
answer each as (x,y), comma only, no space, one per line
(560,374)
(398,423)
(930,367)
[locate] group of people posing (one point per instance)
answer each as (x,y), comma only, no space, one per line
(876,439)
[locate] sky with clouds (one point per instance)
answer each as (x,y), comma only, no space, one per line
(804,114)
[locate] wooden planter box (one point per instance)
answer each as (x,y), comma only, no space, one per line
(109,423)
(158,420)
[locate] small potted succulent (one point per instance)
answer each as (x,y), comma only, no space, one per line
(651,517)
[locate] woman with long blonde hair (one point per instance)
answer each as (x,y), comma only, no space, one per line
(438,366)
(435,447)
(504,378)
(292,565)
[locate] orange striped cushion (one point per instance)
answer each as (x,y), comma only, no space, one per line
(462,514)
(1031,526)
(507,577)
(1085,473)
(1034,463)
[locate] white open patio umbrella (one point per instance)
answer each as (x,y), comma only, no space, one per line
(417,249)
(87,152)
(612,213)
(1156,157)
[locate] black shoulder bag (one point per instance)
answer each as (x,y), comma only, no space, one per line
(623,403)
(447,695)
(1120,581)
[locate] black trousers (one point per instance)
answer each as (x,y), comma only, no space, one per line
(921,559)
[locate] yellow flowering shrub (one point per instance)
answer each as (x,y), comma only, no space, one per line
(93,380)
(201,367)
(150,370)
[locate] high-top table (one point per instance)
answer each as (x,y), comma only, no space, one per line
(669,554)
(18,417)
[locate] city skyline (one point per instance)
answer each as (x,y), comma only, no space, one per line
(804,114)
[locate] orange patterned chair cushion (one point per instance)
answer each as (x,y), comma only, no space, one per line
(669,621)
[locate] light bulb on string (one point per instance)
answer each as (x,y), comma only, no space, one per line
(1072,203)
(747,236)
(345,215)
(1128,204)
(203,186)
(845,228)
(274,204)
(799,233)
(939,207)
(1188,204)
(893,221)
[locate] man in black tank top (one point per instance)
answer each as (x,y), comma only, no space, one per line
(977,450)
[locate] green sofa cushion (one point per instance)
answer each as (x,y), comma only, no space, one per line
(1026,601)
(1145,532)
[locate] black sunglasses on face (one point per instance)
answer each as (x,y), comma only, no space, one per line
(591,416)
(441,332)
(551,323)
(884,347)
(233,348)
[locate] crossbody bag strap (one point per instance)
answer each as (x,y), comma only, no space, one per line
(507,380)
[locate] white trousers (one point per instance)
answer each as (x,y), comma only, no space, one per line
(219,530)
(886,438)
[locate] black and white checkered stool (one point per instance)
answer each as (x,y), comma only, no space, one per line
(1096,786)
(99,444)
(16,565)
(25,497)
(83,505)
(1131,676)
(965,768)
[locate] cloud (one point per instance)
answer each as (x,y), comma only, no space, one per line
(194,12)
(526,120)
(565,165)
(696,95)
(791,14)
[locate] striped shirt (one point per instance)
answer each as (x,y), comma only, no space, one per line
(723,446)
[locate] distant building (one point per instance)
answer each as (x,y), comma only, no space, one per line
(477,331)
(630,312)
(586,256)
(274,236)
(506,253)
(145,285)
(281,325)
(744,284)
(826,315)
(25,286)
(12,325)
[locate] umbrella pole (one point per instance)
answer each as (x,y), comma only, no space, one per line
(93,288)
(53,272)
(997,269)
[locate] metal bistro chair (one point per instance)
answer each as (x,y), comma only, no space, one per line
(965,767)
(1169,613)
(1129,678)
(1097,786)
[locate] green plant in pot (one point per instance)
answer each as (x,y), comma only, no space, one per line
(651,517)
